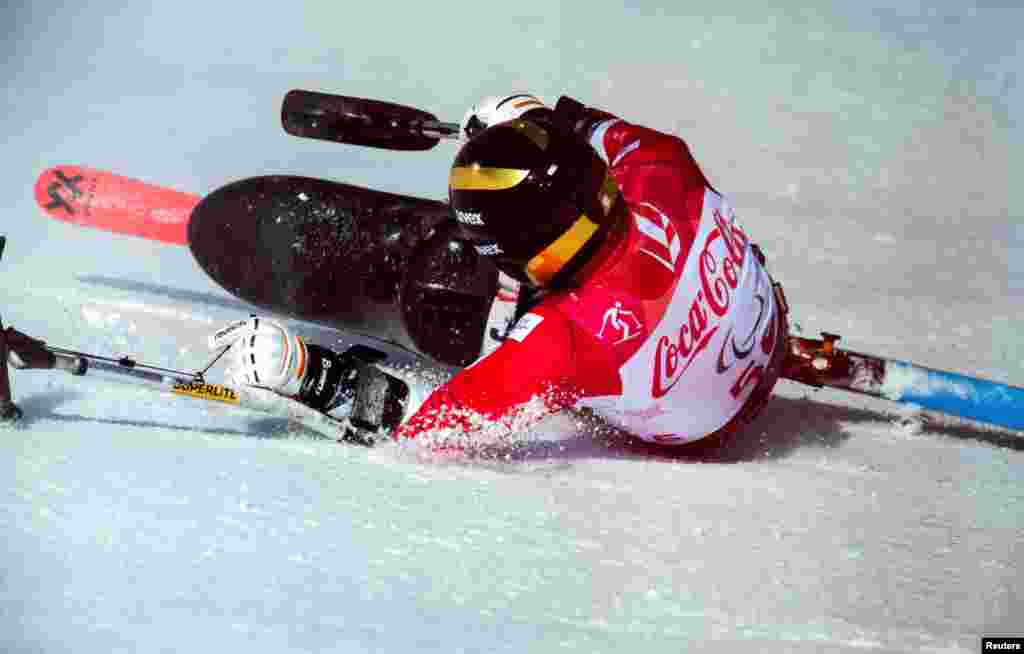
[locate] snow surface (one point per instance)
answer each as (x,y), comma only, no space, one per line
(867,146)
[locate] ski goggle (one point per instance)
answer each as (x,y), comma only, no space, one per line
(543,267)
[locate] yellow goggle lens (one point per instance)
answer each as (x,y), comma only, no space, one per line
(483,178)
(543,267)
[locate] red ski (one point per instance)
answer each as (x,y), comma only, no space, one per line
(104,200)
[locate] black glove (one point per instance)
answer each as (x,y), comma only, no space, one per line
(579,118)
(333,378)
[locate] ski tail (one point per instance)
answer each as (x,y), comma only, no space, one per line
(104,200)
(954,394)
(819,363)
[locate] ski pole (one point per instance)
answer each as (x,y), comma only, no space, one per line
(126,366)
(27,353)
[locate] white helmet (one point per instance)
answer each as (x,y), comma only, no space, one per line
(264,353)
(497,109)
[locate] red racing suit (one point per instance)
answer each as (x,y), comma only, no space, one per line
(673,330)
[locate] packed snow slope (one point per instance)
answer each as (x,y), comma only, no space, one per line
(869,150)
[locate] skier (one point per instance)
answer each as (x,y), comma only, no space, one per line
(642,297)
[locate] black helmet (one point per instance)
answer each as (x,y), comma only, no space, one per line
(533,196)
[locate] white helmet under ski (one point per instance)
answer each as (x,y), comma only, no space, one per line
(264,353)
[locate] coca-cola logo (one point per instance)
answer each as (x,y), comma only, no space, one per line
(719,277)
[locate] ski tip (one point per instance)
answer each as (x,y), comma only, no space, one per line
(108,201)
(53,186)
(49,177)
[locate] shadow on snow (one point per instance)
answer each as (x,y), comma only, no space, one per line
(786,425)
(41,406)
